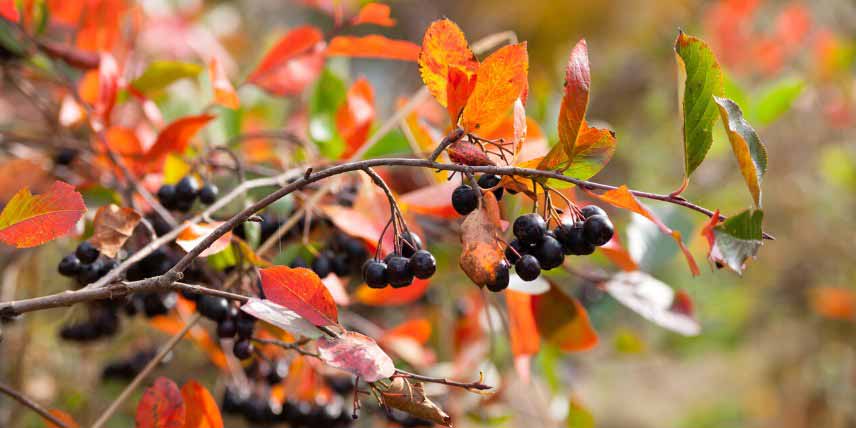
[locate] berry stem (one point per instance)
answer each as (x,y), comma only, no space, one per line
(27,402)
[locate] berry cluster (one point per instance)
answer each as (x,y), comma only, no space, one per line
(231,323)
(85,265)
(257,408)
(537,248)
(400,267)
(465,199)
(180,197)
(343,256)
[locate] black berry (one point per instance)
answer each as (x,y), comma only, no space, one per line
(572,239)
(465,199)
(590,210)
(166,196)
(340,265)
(213,307)
(398,272)
(374,272)
(69,265)
(598,230)
(549,253)
(321,265)
(490,181)
(243,349)
(422,264)
(513,251)
(65,156)
(528,268)
(183,205)
(530,228)
(501,278)
(411,243)
(89,273)
(246,325)
(187,189)
(208,194)
(227,328)
(86,252)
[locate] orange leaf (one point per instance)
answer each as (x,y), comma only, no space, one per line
(622,198)
(193,234)
(302,291)
(64,417)
(459,87)
(176,136)
(373,46)
(563,321)
(834,303)
(112,227)
(391,296)
(354,118)
(443,47)
(224,92)
(374,13)
(294,62)
(30,220)
(201,408)
(9,11)
(161,406)
(501,79)
(416,329)
(481,254)
(521,322)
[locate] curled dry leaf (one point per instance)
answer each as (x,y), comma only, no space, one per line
(30,220)
(479,233)
(161,406)
(358,354)
(113,225)
(410,397)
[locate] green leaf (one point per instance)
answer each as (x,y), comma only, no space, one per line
(579,416)
(736,240)
(775,100)
(747,147)
(161,74)
(327,95)
(699,79)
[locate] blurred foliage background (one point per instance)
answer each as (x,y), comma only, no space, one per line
(778,346)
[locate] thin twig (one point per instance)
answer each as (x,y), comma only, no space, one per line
(27,402)
(470,386)
(292,346)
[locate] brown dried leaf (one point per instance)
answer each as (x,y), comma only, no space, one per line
(409,396)
(113,226)
(481,253)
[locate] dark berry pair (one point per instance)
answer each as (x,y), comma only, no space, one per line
(85,264)
(181,196)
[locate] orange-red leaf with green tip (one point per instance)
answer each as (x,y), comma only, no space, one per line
(302,291)
(354,118)
(30,220)
(500,80)
(444,46)
(200,407)
(373,46)
(161,406)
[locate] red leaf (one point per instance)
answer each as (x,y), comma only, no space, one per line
(176,136)
(459,87)
(161,406)
(224,92)
(302,291)
(563,320)
(201,408)
(622,198)
(9,11)
(417,329)
(354,118)
(374,13)
(29,220)
(373,46)
(294,62)
(357,354)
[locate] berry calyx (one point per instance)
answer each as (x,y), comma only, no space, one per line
(86,252)
(528,268)
(598,230)
(69,265)
(530,228)
(243,349)
(398,272)
(549,253)
(208,194)
(374,273)
(590,210)
(465,199)
(422,264)
(500,279)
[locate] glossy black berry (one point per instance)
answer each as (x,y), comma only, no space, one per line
(410,243)
(590,210)
(89,273)
(106,267)
(86,252)
(422,264)
(340,265)
(246,325)
(598,230)
(528,268)
(465,199)
(232,402)
(80,332)
(374,273)
(227,328)
(489,181)
(69,265)
(322,265)
(501,278)
(513,251)
(573,241)
(398,272)
(65,156)
(183,205)
(166,196)
(213,307)
(154,304)
(530,228)
(208,194)
(243,349)
(187,189)
(549,253)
